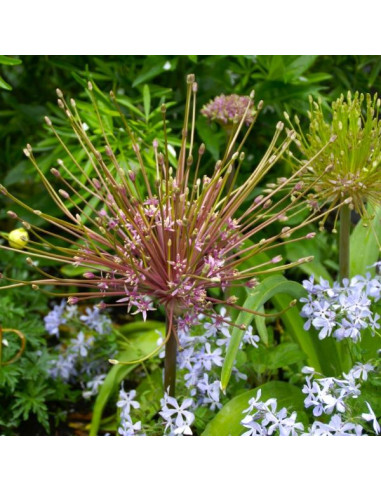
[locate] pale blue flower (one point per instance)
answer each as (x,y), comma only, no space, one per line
(54,319)
(127,428)
(177,418)
(126,402)
(96,321)
(371,417)
(81,344)
(93,386)
(210,392)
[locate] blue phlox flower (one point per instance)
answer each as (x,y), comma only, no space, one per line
(371,417)
(54,319)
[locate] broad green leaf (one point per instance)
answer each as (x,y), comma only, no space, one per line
(256,299)
(142,326)
(140,345)
(227,421)
(264,359)
(284,354)
(7,60)
(260,324)
(364,248)
(4,85)
(146,101)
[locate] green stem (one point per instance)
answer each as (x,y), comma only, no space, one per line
(170,360)
(345,227)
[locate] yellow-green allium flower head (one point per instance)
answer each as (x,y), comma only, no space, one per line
(350,167)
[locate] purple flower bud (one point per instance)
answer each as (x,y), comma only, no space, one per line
(89,275)
(64,194)
(55,172)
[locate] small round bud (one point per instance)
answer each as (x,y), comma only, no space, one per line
(55,172)
(276,259)
(89,275)
(64,194)
(280,125)
(18,238)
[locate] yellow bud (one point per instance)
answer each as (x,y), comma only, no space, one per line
(18,238)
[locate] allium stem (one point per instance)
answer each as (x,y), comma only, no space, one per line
(170,358)
(345,226)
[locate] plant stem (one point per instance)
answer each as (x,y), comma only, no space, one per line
(345,226)
(170,360)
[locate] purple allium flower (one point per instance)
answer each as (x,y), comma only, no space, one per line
(170,239)
(230,110)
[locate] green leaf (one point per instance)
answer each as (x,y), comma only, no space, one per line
(4,85)
(260,324)
(256,299)
(315,267)
(7,60)
(140,345)
(364,248)
(284,354)
(227,421)
(146,101)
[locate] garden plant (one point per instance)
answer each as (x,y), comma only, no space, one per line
(190,254)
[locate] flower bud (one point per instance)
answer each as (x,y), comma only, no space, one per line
(18,238)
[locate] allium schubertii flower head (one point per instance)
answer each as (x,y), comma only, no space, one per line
(172,242)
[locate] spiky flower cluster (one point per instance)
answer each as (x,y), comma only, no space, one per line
(354,169)
(230,110)
(166,242)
